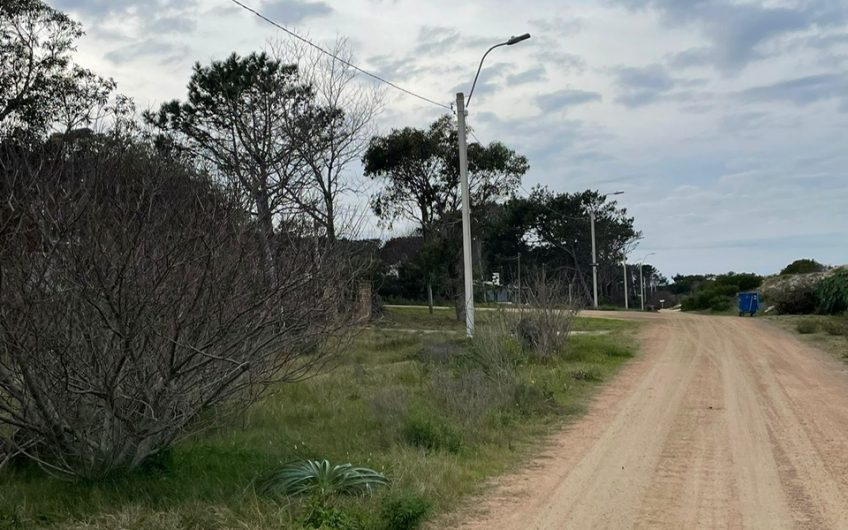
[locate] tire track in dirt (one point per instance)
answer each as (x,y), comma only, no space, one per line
(721,422)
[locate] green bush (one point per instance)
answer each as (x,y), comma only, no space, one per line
(532,400)
(802,266)
(430,433)
(707,300)
(832,293)
(403,511)
(805,327)
(717,294)
(799,300)
(836,327)
(327,517)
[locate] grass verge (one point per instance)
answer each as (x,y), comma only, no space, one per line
(407,404)
(829,333)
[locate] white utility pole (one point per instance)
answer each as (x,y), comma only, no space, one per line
(466,215)
(594,261)
(519,278)
(624,265)
(466,199)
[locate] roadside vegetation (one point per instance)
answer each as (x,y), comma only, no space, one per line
(189,331)
(714,293)
(434,414)
(823,292)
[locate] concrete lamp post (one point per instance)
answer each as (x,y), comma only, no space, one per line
(463,176)
(642,279)
(592,213)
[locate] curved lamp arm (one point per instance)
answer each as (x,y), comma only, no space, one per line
(510,42)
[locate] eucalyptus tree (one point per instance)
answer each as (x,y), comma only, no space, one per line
(418,174)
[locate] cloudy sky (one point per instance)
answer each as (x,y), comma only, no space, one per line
(723,121)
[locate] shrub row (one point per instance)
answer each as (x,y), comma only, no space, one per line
(827,296)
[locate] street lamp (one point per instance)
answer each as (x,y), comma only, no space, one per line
(463,181)
(642,279)
(594,254)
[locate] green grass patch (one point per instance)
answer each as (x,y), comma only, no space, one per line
(827,332)
(408,405)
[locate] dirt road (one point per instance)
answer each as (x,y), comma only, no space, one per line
(723,422)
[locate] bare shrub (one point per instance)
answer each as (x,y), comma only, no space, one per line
(438,352)
(135,294)
(544,323)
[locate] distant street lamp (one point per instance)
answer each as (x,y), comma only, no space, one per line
(463,176)
(594,254)
(642,279)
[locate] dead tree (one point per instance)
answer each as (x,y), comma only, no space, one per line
(351,105)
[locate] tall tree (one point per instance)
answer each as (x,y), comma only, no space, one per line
(553,229)
(40,86)
(347,130)
(248,118)
(419,173)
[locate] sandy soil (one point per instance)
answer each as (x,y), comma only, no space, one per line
(722,422)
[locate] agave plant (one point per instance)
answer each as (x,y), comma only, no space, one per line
(321,479)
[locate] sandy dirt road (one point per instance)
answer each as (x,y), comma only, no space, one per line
(722,422)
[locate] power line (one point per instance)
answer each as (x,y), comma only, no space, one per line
(358,69)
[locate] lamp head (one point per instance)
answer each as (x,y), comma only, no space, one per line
(516,40)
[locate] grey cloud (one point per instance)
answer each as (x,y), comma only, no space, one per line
(737,31)
(558,26)
(154,16)
(691,57)
(293,11)
(537,73)
(392,67)
(565,98)
(166,51)
(744,121)
(642,85)
(436,39)
(442,39)
(801,91)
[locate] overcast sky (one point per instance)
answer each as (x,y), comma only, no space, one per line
(724,122)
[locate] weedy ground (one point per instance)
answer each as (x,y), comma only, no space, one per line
(828,332)
(407,403)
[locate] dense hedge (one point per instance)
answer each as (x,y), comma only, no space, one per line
(718,293)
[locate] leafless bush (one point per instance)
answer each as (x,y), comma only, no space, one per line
(135,294)
(539,328)
(544,323)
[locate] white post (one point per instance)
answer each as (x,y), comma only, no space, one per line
(519,278)
(466,215)
(641,286)
(594,262)
(624,265)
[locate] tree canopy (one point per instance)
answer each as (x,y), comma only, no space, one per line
(419,173)
(41,88)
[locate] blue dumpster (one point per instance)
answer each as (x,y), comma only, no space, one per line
(748,303)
